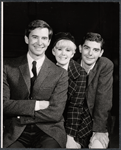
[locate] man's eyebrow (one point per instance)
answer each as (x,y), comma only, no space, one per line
(45,36)
(34,35)
(85,45)
(96,48)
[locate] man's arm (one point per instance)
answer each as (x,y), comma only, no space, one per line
(26,107)
(103,105)
(103,100)
(57,101)
(19,107)
(14,107)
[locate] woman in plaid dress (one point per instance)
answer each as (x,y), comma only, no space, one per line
(78,122)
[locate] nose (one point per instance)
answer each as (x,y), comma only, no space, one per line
(63,52)
(90,52)
(39,41)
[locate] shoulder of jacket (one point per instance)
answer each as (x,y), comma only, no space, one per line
(56,68)
(13,61)
(105,61)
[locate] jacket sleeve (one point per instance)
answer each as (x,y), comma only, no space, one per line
(57,102)
(78,122)
(103,100)
(25,107)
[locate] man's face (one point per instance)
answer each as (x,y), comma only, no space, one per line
(91,51)
(38,41)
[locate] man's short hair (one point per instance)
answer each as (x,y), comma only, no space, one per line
(38,24)
(91,36)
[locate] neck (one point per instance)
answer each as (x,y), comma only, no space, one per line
(86,67)
(36,57)
(63,66)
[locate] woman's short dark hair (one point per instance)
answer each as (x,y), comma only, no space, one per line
(93,37)
(38,24)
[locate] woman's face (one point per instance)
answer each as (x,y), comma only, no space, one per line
(63,51)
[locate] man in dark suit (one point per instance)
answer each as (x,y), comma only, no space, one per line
(78,121)
(34,95)
(99,88)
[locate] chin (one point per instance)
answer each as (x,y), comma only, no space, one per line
(62,64)
(39,54)
(89,63)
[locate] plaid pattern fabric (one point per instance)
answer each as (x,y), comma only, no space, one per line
(78,120)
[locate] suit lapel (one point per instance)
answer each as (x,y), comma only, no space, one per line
(92,74)
(25,72)
(44,71)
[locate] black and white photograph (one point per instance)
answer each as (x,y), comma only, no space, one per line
(60,74)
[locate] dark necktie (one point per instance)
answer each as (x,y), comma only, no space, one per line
(34,71)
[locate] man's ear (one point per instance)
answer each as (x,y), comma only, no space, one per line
(26,39)
(80,48)
(49,42)
(53,52)
(101,53)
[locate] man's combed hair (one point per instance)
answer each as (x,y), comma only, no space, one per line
(93,37)
(38,24)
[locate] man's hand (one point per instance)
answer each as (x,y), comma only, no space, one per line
(39,105)
(71,143)
(102,137)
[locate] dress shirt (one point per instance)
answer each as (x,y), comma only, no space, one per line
(38,65)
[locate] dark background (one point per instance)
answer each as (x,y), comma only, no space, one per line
(74,17)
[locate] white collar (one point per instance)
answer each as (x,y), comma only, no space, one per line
(39,63)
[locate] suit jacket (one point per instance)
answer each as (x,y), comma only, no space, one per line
(78,119)
(99,93)
(51,85)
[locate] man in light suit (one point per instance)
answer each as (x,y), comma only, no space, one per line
(33,109)
(99,88)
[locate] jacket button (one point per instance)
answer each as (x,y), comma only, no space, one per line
(18,117)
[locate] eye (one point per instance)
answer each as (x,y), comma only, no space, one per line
(59,49)
(68,50)
(34,36)
(96,50)
(85,47)
(44,38)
